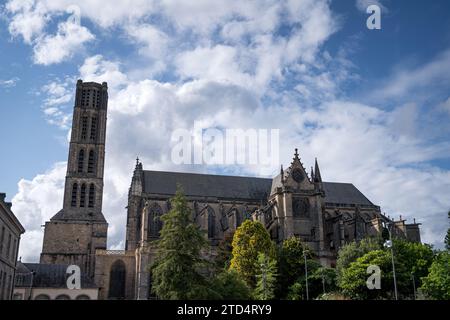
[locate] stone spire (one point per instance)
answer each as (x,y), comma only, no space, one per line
(312,174)
(136,182)
(317,176)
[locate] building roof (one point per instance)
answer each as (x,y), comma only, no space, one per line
(344,193)
(46,276)
(237,187)
(207,185)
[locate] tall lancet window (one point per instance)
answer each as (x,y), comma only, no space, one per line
(211,223)
(154,221)
(73,201)
(91,161)
(84,124)
(91,196)
(81,161)
(83,196)
(93,128)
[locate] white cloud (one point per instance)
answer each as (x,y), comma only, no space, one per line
(55,106)
(9,83)
(69,39)
(36,201)
(362,5)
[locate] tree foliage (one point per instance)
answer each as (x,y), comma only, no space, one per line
(177,272)
(436,284)
(353,278)
(265,277)
(352,251)
(291,264)
(229,286)
(250,239)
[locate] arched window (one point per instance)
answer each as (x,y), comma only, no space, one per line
(81,161)
(117,278)
(83,195)
(91,161)
(82,297)
(238,218)
(73,202)
(62,297)
(84,124)
(93,128)
(211,223)
(154,221)
(91,196)
(42,297)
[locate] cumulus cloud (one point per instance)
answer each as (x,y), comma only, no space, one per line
(36,201)
(69,38)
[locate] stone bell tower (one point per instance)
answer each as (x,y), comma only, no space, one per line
(75,232)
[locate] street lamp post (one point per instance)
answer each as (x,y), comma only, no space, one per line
(306,275)
(388,244)
(414,285)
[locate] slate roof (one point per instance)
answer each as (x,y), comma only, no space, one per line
(79,215)
(207,185)
(344,193)
(46,276)
(237,187)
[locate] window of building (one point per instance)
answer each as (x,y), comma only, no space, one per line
(117,279)
(91,161)
(154,221)
(81,161)
(83,195)
(42,297)
(211,223)
(84,123)
(91,196)
(8,248)
(82,297)
(74,195)
(62,297)
(93,128)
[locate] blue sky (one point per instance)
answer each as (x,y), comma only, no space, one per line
(372,105)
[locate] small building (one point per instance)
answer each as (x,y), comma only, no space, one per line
(37,281)
(10,232)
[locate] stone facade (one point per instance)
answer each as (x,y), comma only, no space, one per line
(10,232)
(74,234)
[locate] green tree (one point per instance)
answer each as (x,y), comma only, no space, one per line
(412,261)
(354,277)
(250,239)
(291,264)
(266,277)
(229,286)
(177,272)
(437,284)
(352,251)
(297,291)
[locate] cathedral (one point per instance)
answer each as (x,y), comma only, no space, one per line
(324,215)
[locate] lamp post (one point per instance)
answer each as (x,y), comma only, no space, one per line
(306,274)
(414,284)
(388,244)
